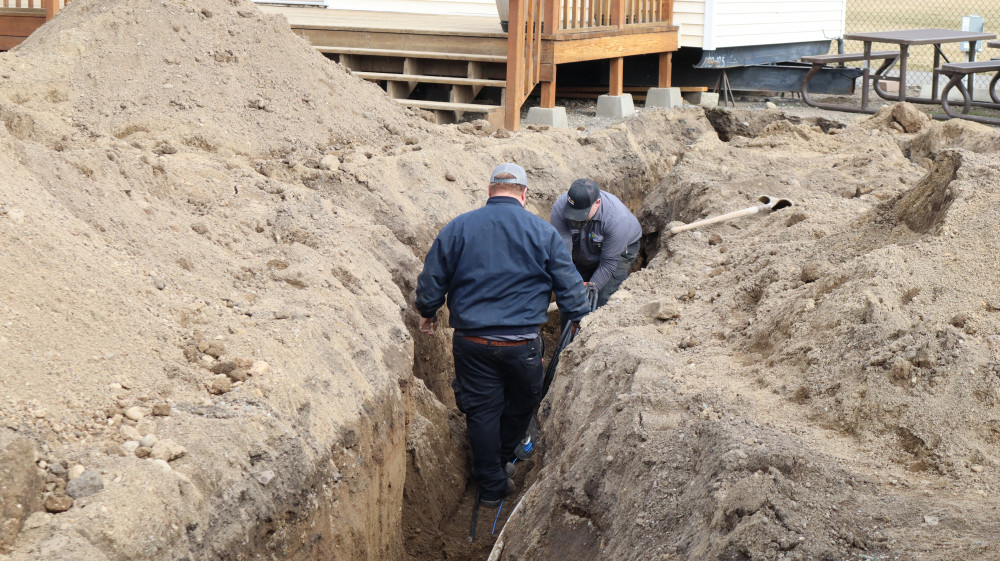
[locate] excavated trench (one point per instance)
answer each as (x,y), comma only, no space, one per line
(428,446)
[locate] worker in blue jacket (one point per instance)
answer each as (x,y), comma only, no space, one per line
(498,266)
(601,234)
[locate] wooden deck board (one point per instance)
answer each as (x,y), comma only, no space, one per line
(429,24)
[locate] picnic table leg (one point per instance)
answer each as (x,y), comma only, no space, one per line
(865,75)
(934,72)
(955,80)
(993,88)
(972,58)
(902,72)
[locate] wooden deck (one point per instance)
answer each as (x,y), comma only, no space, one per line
(20,18)
(429,61)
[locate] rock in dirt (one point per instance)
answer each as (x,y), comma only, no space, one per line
(223,367)
(57,469)
(662,309)
(75,471)
(214,349)
(58,503)
(162,465)
(129,433)
(330,162)
(148,441)
(89,483)
(220,384)
(167,450)
(909,117)
(20,489)
(145,427)
(811,272)
(134,413)
(265,477)
(259,368)
(161,410)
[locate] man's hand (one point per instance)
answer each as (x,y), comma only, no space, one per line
(575,329)
(428,325)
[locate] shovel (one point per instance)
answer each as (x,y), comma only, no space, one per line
(767,205)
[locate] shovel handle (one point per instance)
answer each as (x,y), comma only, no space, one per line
(716,219)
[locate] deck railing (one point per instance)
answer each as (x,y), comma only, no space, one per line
(50,6)
(530,19)
(575,15)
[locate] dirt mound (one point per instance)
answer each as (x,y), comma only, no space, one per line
(826,386)
(213,76)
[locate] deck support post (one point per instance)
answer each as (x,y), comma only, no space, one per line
(549,92)
(616,80)
(666,68)
(515,66)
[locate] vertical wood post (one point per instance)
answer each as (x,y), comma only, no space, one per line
(51,7)
(617,78)
(666,68)
(549,91)
(515,66)
(618,13)
(551,19)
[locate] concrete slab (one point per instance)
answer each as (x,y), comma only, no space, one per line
(615,106)
(554,116)
(667,98)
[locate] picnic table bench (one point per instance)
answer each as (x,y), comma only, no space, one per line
(958,70)
(818,62)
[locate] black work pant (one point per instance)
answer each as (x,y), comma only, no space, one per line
(497,388)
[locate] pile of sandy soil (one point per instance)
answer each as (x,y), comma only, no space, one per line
(209,239)
(818,383)
(205,316)
(218,77)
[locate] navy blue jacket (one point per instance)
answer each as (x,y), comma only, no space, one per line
(498,266)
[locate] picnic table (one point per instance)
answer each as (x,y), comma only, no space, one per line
(955,71)
(913,37)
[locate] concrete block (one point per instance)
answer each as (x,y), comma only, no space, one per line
(554,117)
(705,99)
(615,106)
(664,97)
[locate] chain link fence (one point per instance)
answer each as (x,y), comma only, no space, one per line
(888,15)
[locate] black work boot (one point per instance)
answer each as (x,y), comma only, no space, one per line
(510,490)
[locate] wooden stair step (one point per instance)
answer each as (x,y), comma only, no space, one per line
(411,54)
(448,106)
(430,79)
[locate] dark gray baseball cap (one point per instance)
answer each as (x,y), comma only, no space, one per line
(520,178)
(583,193)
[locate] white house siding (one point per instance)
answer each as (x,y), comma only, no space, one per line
(451,7)
(690,16)
(739,23)
(715,24)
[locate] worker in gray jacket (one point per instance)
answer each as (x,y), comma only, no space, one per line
(600,233)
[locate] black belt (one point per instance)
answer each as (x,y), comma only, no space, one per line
(492,343)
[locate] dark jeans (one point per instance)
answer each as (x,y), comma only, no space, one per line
(497,388)
(622,270)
